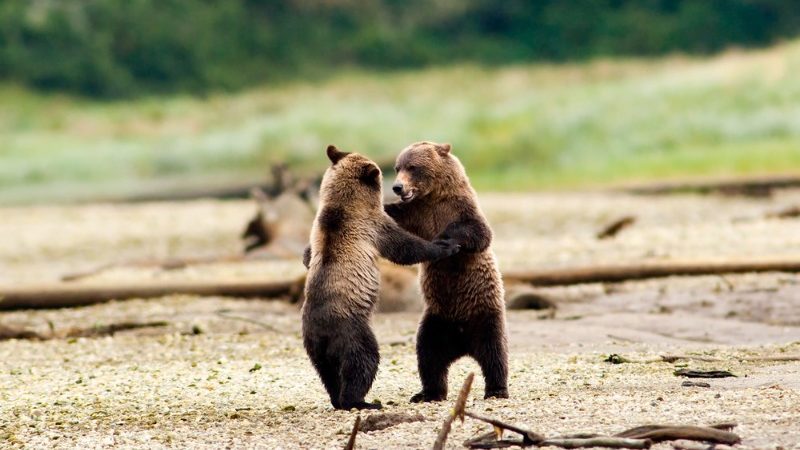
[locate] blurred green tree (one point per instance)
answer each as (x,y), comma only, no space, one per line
(113,48)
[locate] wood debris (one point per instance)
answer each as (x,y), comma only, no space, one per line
(612,229)
(688,373)
(641,437)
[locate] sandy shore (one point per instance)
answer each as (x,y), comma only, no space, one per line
(227,373)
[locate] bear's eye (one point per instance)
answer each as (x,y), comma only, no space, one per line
(411,168)
(396,169)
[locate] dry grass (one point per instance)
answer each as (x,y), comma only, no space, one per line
(516,127)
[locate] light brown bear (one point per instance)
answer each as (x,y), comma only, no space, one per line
(349,232)
(464,306)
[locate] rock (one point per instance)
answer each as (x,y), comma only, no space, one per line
(527,297)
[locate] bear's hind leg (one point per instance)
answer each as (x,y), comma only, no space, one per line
(489,347)
(327,368)
(328,371)
(360,359)
(439,343)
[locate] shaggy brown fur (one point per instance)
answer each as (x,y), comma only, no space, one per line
(350,231)
(465,313)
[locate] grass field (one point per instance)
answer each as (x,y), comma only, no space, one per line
(520,127)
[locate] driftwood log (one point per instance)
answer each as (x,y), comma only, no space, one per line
(643,271)
(752,186)
(61,296)
(65,295)
(601,441)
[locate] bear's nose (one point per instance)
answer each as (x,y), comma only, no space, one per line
(398,188)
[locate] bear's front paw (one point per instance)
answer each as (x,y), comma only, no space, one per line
(496,393)
(422,397)
(449,247)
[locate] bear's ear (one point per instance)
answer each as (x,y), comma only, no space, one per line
(370,175)
(335,155)
(443,149)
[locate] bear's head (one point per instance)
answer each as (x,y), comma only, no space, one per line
(426,168)
(351,177)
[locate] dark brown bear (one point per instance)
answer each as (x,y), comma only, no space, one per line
(464,307)
(350,231)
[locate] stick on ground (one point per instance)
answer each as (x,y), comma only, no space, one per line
(609,442)
(660,433)
(351,443)
(110,330)
(703,373)
(457,412)
(528,437)
(674,358)
(615,227)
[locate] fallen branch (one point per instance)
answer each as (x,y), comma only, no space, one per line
(615,358)
(61,296)
(609,442)
(754,187)
(615,227)
(703,373)
(660,433)
(635,438)
(620,273)
(528,437)
(110,330)
(351,443)
(457,412)
(674,358)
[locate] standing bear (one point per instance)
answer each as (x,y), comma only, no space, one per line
(349,232)
(464,305)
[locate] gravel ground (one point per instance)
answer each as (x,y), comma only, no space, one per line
(228,373)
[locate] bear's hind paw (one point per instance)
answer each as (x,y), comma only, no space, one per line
(422,397)
(362,405)
(497,393)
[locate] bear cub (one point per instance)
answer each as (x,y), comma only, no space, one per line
(349,232)
(464,305)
